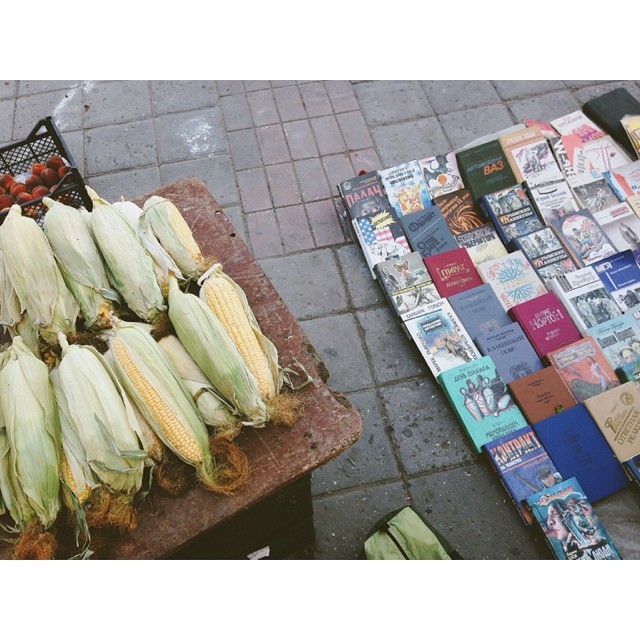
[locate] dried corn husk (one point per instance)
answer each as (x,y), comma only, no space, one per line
(213,350)
(83,270)
(36,278)
(28,331)
(129,266)
(10,311)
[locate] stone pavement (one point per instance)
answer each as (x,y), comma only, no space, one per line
(271,153)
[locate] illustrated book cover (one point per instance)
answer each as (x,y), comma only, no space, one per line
(407,284)
(513,278)
(536,163)
(452,271)
(577,447)
(570,524)
(484,168)
(483,243)
(441,338)
(441,174)
(405,187)
(631,125)
(541,394)
(427,232)
(593,192)
(511,212)
(621,225)
(584,368)
(625,180)
(479,310)
(480,400)
(570,155)
(579,124)
(552,200)
(545,322)
(547,255)
(619,339)
(605,154)
(521,151)
(511,351)
(460,211)
(620,274)
(523,466)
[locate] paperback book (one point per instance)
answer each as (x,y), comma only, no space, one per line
(619,339)
(483,243)
(535,162)
(632,469)
(594,192)
(405,187)
(569,523)
(460,211)
(631,125)
(513,144)
(481,401)
(605,154)
(452,271)
(621,225)
(569,153)
(427,232)
(579,124)
(625,180)
(441,174)
(441,337)
(620,274)
(523,466)
(552,200)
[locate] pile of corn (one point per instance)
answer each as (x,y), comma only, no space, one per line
(92,405)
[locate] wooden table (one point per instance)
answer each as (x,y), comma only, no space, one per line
(281,458)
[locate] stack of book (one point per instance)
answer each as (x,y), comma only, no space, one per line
(513,265)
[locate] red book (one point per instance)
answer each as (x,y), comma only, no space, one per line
(452,271)
(545,322)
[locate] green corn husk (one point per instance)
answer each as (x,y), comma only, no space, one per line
(33,432)
(205,339)
(130,267)
(10,311)
(36,278)
(83,270)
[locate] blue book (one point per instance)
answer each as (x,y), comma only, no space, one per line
(577,447)
(479,310)
(511,351)
(427,232)
(620,274)
(479,398)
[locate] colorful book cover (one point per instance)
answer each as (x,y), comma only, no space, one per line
(480,400)
(571,527)
(479,310)
(620,274)
(511,212)
(577,447)
(625,180)
(405,187)
(569,153)
(631,126)
(514,141)
(513,278)
(441,337)
(621,225)
(547,255)
(460,211)
(511,351)
(523,466)
(579,124)
(406,284)
(427,232)
(605,154)
(536,162)
(483,243)
(441,174)
(619,339)
(583,237)
(452,271)
(552,200)
(541,394)
(584,368)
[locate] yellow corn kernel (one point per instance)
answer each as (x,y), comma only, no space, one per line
(70,481)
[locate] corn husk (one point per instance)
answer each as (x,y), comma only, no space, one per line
(169,226)
(213,350)
(36,278)
(33,432)
(129,266)
(83,270)
(10,310)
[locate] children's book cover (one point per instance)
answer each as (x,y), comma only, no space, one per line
(441,174)
(405,187)
(570,524)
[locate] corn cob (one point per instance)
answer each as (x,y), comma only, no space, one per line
(83,270)
(229,302)
(213,350)
(10,310)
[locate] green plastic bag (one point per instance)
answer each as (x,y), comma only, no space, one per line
(404,535)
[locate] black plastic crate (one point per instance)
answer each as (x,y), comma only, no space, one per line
(43,142)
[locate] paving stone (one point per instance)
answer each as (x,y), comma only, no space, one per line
(341,95)
(171,96)
(244,149)
(327,134)
(126,184)
(6,120)
(386,102)
(273,144)
(296,234)
(545,107)
(576,84)
(281,83)
(236,216)
(462,127)
(338,168)
(315,99)
(264,234)
(453,95)
(509,89)
(587,93)
(65,106)
(289,103)
(313,182)
(355,130)
(263,108)
(254,190)
(282,183)
(74,140)
(8,89)
(365,160)
(256,85)
(300,138)
(229,87)
(30,87)
(363,290)
(324,223)
(106,103)
(236,112)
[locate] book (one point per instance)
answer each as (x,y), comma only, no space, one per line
(624,180)
(584,368)
(460,211)
(579,124)
(480,400)
(541,394)
(511,351)
(452,271)
(585,298)
(634,202)
(552,200)
(536,162)
(406,284)
(381,237)
(619,339)
(545,322)
(605,154)
(608,110)
(547,255)
(511,212)
(628,372)
(523,466)
(570,155)
(484,168)
(620,274)
(482,243)
(441,338)
(570,525)
(583,237)
(427,232)
(512,278)
(631,125)
(621,225)
(593,191)
(514,141)
(577,447)
(632,468)
(405,187)
(479,310)
(441,174)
